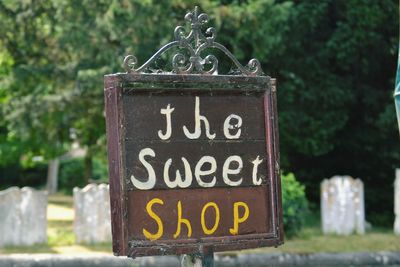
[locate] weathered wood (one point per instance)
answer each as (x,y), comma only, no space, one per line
(193,151)
(192,203)
(134,119)
(144,120)
(117,199)
(274,119)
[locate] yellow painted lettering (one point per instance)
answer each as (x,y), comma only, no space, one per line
(151,213)
(180,221)
(236,219)
(203,223)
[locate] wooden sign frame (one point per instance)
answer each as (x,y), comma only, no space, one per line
(184,80)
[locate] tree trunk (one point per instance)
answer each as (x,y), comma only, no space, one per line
(88,165)
(52,176)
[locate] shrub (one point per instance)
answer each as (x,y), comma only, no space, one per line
(15,174)
(71,173)
(294,202)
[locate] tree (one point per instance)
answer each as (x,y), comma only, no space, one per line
(334,59)
(337,114)
(61,50)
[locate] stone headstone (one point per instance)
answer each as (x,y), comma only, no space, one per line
(342,206)
(397,203)
(23,217)
(92,223)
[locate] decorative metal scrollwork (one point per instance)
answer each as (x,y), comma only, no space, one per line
(189,60)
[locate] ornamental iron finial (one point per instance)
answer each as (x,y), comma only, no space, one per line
(193,45)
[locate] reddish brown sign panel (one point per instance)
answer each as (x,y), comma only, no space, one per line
(199,213)
(193,162)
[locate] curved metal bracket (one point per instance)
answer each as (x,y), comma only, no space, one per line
(193,45)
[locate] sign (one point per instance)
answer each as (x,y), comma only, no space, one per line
(193,158)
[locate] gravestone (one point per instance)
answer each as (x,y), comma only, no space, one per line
(23,217)
(342,206)
(92,223)
(397,203)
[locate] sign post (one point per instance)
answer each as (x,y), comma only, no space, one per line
(193,155)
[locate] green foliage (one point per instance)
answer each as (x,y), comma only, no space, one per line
(336,97)
(17,175)
(71,173)
(294,203)
(335,61)
(100,170)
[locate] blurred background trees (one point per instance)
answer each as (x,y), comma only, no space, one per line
(335,63)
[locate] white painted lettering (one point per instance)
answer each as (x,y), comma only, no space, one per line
(256,162)
(226,170)
(167,112)
(197,124)
(182,183)
(199,172)
(151,180)
(228,127)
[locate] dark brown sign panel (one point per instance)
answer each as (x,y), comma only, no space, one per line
(193,163)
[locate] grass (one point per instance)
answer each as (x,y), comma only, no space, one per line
(311,240)
(60,233)
(61,239)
